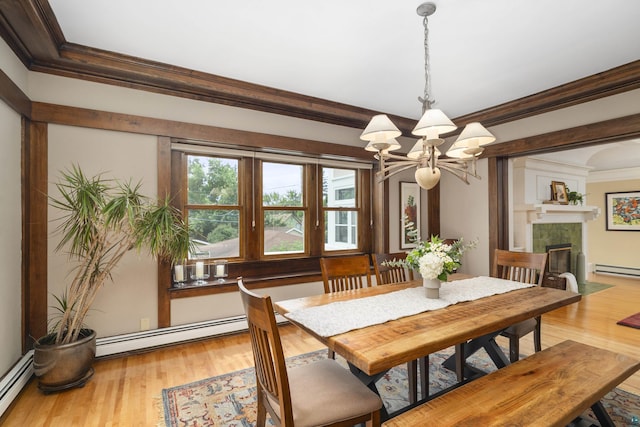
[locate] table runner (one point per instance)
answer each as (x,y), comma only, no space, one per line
(343,316)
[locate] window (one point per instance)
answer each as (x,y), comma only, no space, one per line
(213,208)
(340,209)
(253,207)
(283,208)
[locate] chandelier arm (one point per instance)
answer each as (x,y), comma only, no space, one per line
(396,167)
(461,170)
(460,173)
(461,164)
(390,156)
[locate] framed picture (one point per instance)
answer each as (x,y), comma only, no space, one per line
(559,192)
(409,214)
(623,211)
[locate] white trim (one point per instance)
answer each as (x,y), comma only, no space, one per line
(14,381)
(613,175)
(617,270)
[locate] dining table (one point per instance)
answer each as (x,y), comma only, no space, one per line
(373,349)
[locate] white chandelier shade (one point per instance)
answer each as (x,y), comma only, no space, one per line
(381,135)
(472,137)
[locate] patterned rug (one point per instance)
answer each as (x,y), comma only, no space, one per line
(229,400)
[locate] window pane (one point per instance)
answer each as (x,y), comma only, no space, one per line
(215,231)
(338,188)
(282,184)
(341,230)
(212,181)
(283,232)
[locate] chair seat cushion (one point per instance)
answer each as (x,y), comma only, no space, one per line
(521,328)
(324,392)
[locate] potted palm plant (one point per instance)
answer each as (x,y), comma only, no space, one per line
(102,220)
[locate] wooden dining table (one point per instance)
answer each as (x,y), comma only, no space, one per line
(375,349)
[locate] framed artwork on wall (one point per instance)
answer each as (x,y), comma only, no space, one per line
(623,211)
(559,192)
(409,214)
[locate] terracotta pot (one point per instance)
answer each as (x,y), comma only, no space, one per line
(63,366)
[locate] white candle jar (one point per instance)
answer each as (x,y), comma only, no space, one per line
(220,269)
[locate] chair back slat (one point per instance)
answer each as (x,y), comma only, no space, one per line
(345,273)
(271,372)
(387,274)
(524,267)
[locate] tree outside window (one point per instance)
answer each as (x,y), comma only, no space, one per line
(213,210)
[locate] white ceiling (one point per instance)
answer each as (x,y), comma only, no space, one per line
(617,155)
(370,53)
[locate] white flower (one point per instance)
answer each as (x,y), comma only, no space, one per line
(431,264)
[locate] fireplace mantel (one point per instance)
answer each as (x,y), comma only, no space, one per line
(551,213)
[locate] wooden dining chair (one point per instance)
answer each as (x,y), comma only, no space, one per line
(321,393)
(386,275)
(344,274)
(524,267)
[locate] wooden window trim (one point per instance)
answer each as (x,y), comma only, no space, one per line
(260,270)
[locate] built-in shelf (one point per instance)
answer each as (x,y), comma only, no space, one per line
(543,212)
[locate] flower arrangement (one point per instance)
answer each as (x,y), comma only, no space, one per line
(434,258)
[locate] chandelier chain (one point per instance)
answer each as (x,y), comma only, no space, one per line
(426,98)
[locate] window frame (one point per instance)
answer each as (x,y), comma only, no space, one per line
(186,206)
(279,268)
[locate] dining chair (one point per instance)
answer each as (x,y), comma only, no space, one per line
(524,267)
(391,274)
(321,393)
(386,275)
(344,274)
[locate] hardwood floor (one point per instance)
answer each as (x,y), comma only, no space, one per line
(125,391)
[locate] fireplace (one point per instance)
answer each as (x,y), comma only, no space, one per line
(559,258)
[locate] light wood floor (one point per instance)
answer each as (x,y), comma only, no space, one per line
(124,391)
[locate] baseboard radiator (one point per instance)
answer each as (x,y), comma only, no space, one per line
(13,382)
(614,269)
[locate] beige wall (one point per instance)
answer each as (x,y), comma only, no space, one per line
(132,296)
(10,219)
(617,248)
(464,213)
(11,238)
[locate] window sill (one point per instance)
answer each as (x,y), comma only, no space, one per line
(230,285)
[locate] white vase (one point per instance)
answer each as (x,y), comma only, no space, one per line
(433,287)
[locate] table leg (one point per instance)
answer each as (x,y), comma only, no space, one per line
(412,374)
(602,415)
(370,381)
(465,350)
(424,376)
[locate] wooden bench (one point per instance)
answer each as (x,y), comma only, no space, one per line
(550,388)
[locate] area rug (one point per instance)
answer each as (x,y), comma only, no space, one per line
(587,288)
(229,400)
(632,321)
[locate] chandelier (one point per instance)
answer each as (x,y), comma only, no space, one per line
(425,156)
